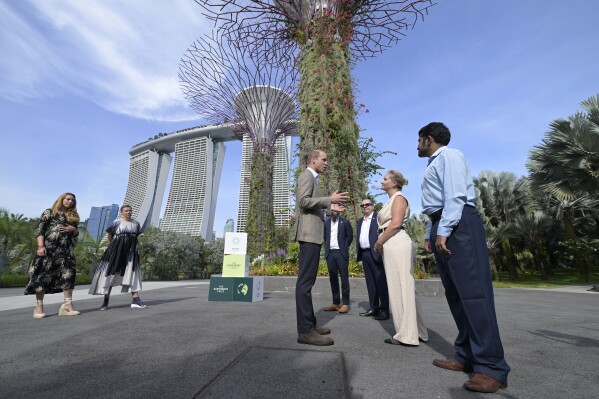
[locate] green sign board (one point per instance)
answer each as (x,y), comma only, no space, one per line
(248,289)
(221,289)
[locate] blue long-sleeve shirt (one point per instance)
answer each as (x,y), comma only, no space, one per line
(447,184)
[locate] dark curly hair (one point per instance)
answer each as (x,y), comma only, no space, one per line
(438,131)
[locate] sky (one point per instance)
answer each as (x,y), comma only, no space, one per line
(81,82)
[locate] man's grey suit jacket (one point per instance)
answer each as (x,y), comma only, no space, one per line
(309,206)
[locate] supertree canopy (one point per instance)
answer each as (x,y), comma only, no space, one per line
(225,85)
(367,26)
(322,38)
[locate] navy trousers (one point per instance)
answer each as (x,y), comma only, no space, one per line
(466,276)
(376,282)
(338,267)
(309,256)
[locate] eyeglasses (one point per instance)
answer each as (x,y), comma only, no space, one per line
(365,205)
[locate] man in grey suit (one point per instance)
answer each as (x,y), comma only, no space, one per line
(309,232)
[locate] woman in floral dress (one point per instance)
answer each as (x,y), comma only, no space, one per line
(120,262)
(53,269)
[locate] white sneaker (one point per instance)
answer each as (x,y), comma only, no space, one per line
(137,303)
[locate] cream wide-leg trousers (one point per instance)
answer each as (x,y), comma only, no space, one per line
(398,258)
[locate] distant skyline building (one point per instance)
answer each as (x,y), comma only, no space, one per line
(199,154)
(280,184)
(192,198)
(229,227)
(148,171)
(100,218)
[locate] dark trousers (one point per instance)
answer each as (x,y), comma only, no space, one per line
(376,282)
(466,276)
(338,266)
(309,256)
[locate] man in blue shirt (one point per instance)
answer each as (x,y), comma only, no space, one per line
(456,236)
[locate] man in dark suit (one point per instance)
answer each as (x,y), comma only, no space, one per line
(374,270)
(338,236)
(309,232)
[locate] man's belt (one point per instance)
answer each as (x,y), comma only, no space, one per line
(435,216)
(381,231)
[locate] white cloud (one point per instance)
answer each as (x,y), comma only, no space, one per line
(123,56)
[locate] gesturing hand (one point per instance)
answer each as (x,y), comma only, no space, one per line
(339,198)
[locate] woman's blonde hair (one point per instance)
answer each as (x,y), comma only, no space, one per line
(398,178)
(71,213)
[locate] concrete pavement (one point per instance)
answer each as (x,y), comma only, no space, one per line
(183,346)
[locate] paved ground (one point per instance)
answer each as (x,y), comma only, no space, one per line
(184,347)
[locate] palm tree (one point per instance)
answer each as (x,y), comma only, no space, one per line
(565,166)
(14,229)
(567,161)
(502,197)
(498,243)
(89,250)
(533,228)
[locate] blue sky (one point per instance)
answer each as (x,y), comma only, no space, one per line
(82,81)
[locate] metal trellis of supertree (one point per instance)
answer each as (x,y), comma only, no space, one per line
(323,38)
(224,84)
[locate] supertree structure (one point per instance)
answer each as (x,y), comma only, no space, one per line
(225,85)
(323,37)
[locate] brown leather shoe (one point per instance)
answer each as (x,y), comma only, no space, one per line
(482,383)
(322,330)
(313,338)
(343,309)
(450,364)
(331,308)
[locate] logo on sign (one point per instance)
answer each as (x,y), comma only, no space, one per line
(242,289)
(220,289)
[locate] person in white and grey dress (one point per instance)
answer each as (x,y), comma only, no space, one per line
(120,262)
(398,257)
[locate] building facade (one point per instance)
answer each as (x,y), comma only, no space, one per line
(192,197)
(229,227)
(148,172)
(280,184)
(198,161)
(199,154)
(100,218)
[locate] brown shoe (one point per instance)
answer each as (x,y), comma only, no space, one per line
(343,309)
(322,330)
(313,338)
(331,308)
(450,364)
(482,383)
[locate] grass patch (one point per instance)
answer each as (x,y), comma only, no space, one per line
(559,277)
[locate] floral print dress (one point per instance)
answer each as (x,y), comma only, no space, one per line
(56,271)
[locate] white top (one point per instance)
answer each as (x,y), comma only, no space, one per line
(364,241)
(334,234)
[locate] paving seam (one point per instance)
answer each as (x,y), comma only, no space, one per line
(346,391)
(202,393)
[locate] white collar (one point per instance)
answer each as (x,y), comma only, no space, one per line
(313,172)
